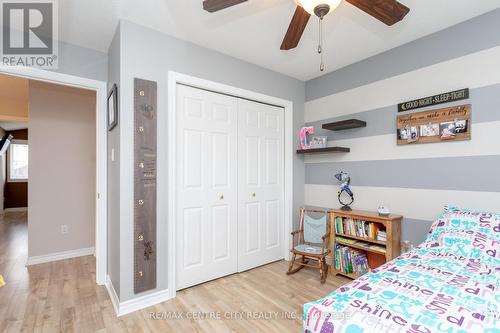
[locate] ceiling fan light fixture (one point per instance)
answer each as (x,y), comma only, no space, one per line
(324,6)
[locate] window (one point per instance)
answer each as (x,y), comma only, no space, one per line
(18,161)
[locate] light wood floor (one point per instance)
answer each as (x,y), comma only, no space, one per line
(63,297)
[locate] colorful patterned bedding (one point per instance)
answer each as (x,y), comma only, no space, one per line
(450,283)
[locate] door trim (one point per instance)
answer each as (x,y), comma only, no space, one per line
(169,126)
(100,87)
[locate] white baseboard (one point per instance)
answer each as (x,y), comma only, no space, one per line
(15,209)
(60,256)
(112,294)
(139,303)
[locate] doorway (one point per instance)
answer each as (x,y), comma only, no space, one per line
(86,172)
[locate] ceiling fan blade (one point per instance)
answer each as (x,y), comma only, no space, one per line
(295,29)
(216,5)
(387,11)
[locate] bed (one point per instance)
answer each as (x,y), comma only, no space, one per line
(450,283)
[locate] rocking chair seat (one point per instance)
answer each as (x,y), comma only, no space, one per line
(309,249)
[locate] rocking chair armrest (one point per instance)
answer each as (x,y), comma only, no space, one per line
(326,241)
(295,236)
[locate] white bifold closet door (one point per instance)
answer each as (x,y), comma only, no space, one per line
(230,184)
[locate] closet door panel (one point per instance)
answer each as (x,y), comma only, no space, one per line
(206,198)
(261,184)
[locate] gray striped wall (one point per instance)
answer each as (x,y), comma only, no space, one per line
(471,173)
(484,101)
(471,36)
(459,173)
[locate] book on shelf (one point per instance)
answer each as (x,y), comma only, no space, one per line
(382,235)
(358,228)
(351,261)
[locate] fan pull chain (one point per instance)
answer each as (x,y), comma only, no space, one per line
(320,45)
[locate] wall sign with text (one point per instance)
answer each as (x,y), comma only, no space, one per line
(448,124)
(448,97)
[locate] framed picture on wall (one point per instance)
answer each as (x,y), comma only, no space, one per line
(113,107)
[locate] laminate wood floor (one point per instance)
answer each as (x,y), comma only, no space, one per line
(63,297)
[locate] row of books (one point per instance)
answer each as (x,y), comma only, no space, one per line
(349,260)
(382,235)
(358,228)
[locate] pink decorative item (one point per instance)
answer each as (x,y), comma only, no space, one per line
(304,135)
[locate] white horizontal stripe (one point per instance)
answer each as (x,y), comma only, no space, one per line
(418,204)
(383,147)
(471,71)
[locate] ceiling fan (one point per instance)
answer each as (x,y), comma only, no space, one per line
(386,11)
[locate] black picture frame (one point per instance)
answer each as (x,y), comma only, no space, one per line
(112,102)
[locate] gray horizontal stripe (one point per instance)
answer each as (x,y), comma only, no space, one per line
(411,229)
(485,107)
(471,173)
(471,36)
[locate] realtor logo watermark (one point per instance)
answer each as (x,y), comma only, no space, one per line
(29,33)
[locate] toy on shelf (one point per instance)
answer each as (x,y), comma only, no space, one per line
(345,180)
(305,137)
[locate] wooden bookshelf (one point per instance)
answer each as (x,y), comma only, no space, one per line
(392,245)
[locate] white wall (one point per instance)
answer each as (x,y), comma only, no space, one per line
(61,168)
(113,181)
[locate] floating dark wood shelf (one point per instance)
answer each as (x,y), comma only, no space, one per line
(344,124)
(324,150)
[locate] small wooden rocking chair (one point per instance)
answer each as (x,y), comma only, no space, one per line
(312,234)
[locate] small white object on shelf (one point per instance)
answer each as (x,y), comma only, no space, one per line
(383,211)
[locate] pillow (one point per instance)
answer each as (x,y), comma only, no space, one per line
(468,233)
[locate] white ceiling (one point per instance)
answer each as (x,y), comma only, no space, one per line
(253,31)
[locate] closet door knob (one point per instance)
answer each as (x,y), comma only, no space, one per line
(253,194)
(221,197)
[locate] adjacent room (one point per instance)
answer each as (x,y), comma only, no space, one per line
(48,153)
(315,166)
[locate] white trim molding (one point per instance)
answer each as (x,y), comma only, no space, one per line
(139,303)
(115,300)
(100,87)
(169,126)
(60,256)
